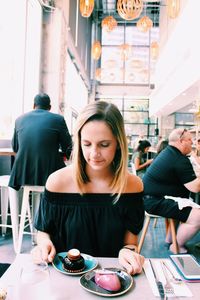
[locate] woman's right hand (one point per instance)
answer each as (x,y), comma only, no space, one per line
(44,251)
(149,161)
(131,261)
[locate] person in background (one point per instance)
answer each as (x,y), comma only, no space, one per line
(162,144)
(194,157)
(167,186)
(94,204)
(38,138)
(195,160)
(139,157)
(136,141)
(197,151)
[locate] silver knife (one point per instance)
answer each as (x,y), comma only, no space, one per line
(158,282)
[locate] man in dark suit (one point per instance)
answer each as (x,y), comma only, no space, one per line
(39,137)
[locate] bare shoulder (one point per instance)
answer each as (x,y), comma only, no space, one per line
(61,181)
(134,184)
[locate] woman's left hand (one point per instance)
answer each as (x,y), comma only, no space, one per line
(131,261)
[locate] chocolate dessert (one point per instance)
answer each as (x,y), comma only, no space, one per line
(74,261)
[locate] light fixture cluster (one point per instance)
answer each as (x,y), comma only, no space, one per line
(128,10)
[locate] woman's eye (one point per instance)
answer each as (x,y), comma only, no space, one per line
(104,144)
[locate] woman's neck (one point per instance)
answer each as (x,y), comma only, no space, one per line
(99,180)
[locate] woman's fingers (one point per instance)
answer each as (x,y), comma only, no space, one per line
(51,254)
(43,253)
(36,255)
(131,261)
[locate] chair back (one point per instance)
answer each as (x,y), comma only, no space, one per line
(133,170)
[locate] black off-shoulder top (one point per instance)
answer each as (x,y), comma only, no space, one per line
(91,223)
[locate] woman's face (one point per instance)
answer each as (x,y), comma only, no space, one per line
(98,144)
(146,149)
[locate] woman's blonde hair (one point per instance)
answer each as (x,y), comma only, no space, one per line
(110,114)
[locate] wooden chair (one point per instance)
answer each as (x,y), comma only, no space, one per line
(170,225)
(133,170)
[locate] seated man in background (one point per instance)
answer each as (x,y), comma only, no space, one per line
(38,137)
(172,174)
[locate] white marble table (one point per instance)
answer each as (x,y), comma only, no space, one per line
(68,287)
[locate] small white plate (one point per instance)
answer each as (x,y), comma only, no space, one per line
(88,283)
(90,263)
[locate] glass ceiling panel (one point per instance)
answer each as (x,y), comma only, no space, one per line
(138,66)
(136,37)
(115,37)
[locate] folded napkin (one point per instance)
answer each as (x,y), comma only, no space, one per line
(183,202)
(180,289)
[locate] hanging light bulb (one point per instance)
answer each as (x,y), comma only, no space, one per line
(96,50)
(98,74)
(144,24)
(109,23)
(126,51)
(154,50)
(129,9)
(86,7)
(173,8)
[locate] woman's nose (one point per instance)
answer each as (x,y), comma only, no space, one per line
(95,152)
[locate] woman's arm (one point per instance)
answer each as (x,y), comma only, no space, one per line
(139,166)
(128,256)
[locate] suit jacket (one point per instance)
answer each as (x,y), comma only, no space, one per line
(38,137)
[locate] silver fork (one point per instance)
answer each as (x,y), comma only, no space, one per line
(167,286)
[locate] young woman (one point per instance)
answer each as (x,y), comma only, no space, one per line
(94,204)
(139,158)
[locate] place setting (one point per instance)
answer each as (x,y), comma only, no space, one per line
(164,279)
(106,282)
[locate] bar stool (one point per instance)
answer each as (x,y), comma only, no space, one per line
(36,192)
(170,225)
(9,200)
(4,179)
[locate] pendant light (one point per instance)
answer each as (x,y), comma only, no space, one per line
(96,50)
(126,51)
(144,24)
(109,23)
(86,8)
(129,9)
(173,8)
(154,50)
